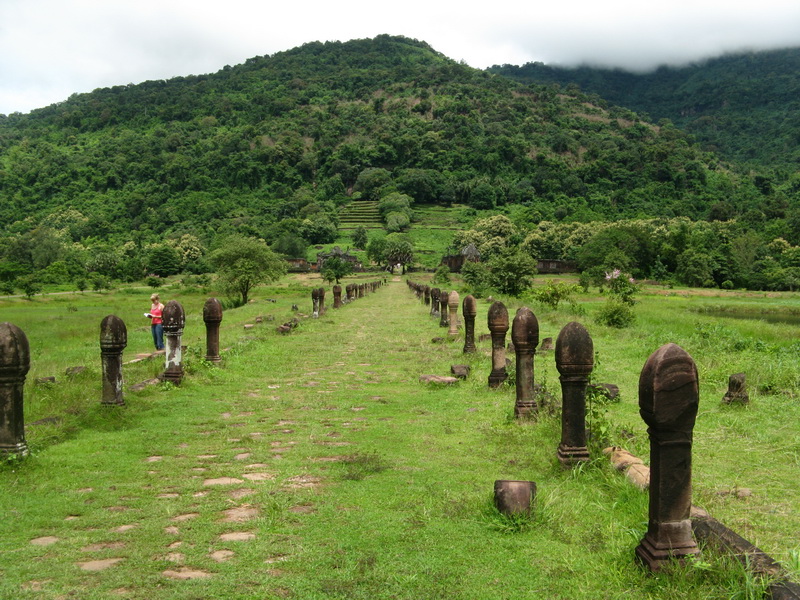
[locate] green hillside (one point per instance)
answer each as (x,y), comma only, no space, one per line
(149,178)
(742,106)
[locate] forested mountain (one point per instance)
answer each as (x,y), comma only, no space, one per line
(744,106)
(124,180)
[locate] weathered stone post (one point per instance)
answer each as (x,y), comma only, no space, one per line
(443,297)
(212,317)
(525,337)
(348,298)
(337,296)
(469,309)
(514,497)
(435,302)
(174,320)
(315,303)
(15,362)
(737,390)
(113,339)
(668,402)
(498,326)
(321,301)
(452,304)
(427,291)
(575,361)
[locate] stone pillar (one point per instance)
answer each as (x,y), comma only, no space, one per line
(435,293)
(212,317)
(525,337)
(321,301)
(174,321)
(315,303)
(348,298)
(113,339)
(360,290)
(575,361)
(427,292)
(443,322)
(668,402)
(452,304)
(337,296)
(15,362)
(469,309)
(498,326)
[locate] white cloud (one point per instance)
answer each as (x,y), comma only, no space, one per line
(53,48)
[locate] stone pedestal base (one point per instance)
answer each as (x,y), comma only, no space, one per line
(525,410)
(673,541)
(20,449)
(514,497)
(496,379)
(571,455)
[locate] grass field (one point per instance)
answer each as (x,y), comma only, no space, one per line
(315,465)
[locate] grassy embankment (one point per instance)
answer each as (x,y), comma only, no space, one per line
(354,480)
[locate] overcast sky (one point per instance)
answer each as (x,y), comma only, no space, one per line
(50,49)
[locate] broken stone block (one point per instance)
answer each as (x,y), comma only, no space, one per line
(737,390)
(440,379)
(460,371)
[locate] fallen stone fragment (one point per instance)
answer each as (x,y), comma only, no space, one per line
(240,514)
(460,371)
(438,379)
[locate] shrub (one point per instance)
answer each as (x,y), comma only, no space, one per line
(553,293)
(442,275)
(616,313)
(154,281)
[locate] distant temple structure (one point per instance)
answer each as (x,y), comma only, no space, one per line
(338,253)
(454,262)
(471,254)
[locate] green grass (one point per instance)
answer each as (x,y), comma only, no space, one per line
(378,486)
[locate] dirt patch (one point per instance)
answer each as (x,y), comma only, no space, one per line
(172,530)
(175,557)
(240,514)
(242,456)
(206,456)
(256,466)
(124,528)
(99,565)
(185,517)
(222,481)
(259,476)
(222,555)
(303,509)
(44,541)
(152,459)
(186,573)
(300,482)
(35,586)
(169,495)
(103,546)
(242,493)
(328,459)
(237,536)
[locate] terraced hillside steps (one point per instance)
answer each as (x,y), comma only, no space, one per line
(360,213)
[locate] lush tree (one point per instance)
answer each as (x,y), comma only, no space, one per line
(243,262)
(290,245)
(360,238)
(163,260)
(376,251)
(399,251)
(334,268)
(511,272)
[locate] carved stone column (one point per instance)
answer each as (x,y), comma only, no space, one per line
(337,296)
(174,321)
(113,339)
(469,309)
(452,304)
(575,361)
(212,317)
(668,402)
(435,293)
(427,292)
(321,301)
(443,320)
(15,362)
(498,326)
(525,337)
(315,303)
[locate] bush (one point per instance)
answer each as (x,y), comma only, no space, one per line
(154,281)
(554,293)
(616,313)
(442,275)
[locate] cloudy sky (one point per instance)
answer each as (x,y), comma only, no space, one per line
(50,49)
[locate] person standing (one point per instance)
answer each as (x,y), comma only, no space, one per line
(156,324)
